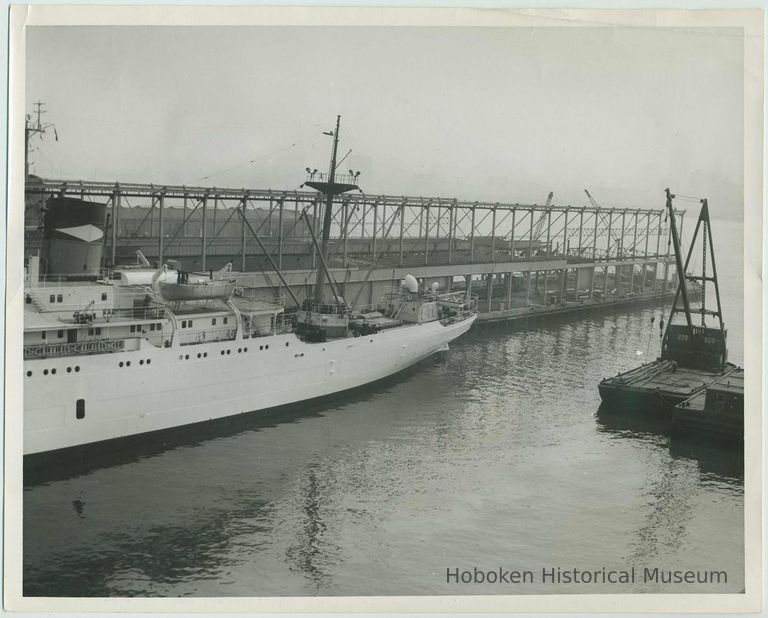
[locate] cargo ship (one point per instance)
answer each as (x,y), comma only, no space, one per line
(131,350)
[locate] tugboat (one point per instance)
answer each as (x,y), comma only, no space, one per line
(111,354)
(692,356)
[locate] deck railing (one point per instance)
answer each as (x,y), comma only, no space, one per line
(47,350)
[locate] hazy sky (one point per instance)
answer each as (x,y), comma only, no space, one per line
(499,114)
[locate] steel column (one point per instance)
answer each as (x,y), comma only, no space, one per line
(204,230)
(281,203)
(493,235)
(472,238)
(161,235)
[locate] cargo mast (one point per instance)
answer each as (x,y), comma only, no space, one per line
(328,186)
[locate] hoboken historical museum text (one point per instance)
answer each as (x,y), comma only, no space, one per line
(603,575)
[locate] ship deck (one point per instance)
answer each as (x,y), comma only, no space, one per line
(693,415)
(660,384)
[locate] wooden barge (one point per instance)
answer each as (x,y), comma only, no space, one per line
(659,386)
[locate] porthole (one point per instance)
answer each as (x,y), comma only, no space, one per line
(228,351)
(205,354)
(149,360)
(29,374)
(127,363)
(53,372)
(121,363)
(199,355)
(69,369)
(245,349)
(141,362)
(222,352)
(45,372)
(261,347)
(77,368)
(266,347)
(186,357)
(287,343)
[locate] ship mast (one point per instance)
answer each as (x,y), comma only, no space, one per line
(327,216)
(330,188)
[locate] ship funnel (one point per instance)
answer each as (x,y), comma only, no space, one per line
(73,236)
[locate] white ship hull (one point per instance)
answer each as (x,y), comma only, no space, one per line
(162,388)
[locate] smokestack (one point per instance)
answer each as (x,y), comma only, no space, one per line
(73,236)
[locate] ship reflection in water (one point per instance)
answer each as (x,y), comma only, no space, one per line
(491,455)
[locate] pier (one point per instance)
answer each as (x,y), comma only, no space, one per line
(521,259)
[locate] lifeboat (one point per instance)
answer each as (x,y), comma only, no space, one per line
(199,290)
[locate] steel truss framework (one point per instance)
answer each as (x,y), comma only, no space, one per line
(384,229)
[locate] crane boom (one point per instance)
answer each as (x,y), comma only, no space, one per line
(540,222)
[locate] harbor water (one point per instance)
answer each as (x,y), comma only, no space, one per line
(492,456)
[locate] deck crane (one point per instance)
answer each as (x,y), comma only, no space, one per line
(591,199)
(540,222)
(596,205)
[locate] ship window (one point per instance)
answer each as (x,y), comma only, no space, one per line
(133,328)
(189,324)
(151,327)
(60,298)
(183,323)
(225,320)
(29,299)
(60,333)
(213,322)
(90,331)
(103,296)
(42,335)
(52,298)
(98,331)
(80,409)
